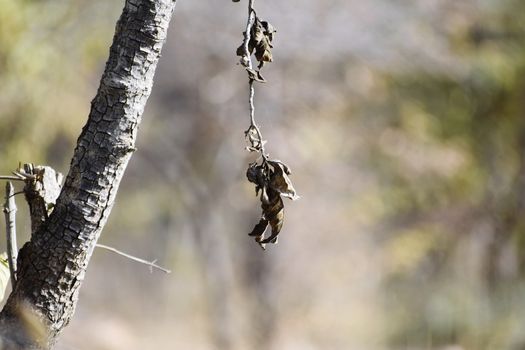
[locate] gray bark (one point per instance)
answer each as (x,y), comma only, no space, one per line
(51,266)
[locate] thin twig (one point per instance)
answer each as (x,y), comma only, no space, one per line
(10,223)
(247,62)
(252,105)
(11,178)
(134,258)
(247,34)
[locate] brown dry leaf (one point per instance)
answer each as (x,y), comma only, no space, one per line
(280,182)
(271,178)
(259,229)
(259,239)
(251,173)
(262,34)
(285,167)
(240,49)
(256,174)
(255,75)
(274,213)
(269,30)
(261,37)
(265,199)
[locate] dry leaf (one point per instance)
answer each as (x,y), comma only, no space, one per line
(259,229)
(255,75)
(271,178)
(261,37)
(274,213)
(280,182)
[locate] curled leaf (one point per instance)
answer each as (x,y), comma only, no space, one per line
(262,34)
(274,213)
(257,174)
(271,178)
(265,199)
(259,229)
(251,173)
(285,167)
(255,75)
(269,30)
(261,37)
(259,239)
(280,182)
(240,49)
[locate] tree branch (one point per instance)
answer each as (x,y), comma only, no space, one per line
(52,265)
(134,258)
(11,178)
(10,223)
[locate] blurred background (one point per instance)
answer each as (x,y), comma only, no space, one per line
(404,125)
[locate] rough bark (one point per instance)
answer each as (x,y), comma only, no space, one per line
(52,265)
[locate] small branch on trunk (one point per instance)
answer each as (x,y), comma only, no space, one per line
(151,264)
(10,224)
(11,178)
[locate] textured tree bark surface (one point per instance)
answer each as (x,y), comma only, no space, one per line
(52,265)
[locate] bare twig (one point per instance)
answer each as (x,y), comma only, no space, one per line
(253,125)
(10,223)
(246,61)
(134,258)
(11,178)
(252,105)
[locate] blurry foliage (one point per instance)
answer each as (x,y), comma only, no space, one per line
(451,155)
(40,88)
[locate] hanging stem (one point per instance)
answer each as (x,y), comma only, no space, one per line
(246,60)
(252,105)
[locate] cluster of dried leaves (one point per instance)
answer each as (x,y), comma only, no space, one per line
(271,177)
(260,43)
(272,181)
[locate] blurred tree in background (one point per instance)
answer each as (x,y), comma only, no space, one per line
(451,155)
(50,51)
(404,126)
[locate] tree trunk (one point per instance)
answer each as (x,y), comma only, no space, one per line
(51,266)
